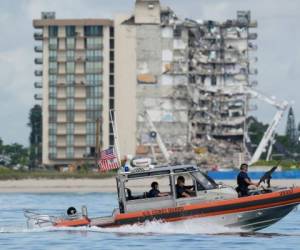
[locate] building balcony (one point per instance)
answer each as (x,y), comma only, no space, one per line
(38,49)
(253,24)
(38,73)
(252,46)
(38,60)
(252,36)
(38,97)
(38,36)
(38,85)
(253,71)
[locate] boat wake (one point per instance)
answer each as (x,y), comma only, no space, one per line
(154,228)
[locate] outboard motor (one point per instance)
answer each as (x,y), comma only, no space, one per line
(71,211)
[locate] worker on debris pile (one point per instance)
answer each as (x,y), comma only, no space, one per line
(244,181)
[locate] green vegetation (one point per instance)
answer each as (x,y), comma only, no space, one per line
(9,174)
(285,164)
(17,153)
(35,138)
(286,147)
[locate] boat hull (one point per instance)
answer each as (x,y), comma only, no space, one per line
(248,213)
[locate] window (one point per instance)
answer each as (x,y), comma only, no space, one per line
(94,79)
(53,78)
(52,152)
(111,103)
(52,91)
(52,128)
(111,140)
(111,43)
(90,140)
(111,68)
(70,91)
(111,31)
(70,31)
(70,152)
(52,116)
(204,182)
(70,67)
(70,115)
(70,79)
(52,140)
(53,31)
(111,92)
(111,55)
(93,43)
(93,67)
(52,55)
(53,65)
(70,128)
(94,55)
(70,139)
(70,103)
(52,101)
(164,187)
(111,80)
(93,30)
(93,91)
(70,55)
(91,128)
(52,43)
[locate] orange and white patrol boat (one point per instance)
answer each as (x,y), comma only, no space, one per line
(208,201)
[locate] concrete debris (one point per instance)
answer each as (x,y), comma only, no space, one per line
(200,63)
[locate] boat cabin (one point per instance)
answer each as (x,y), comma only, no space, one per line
(134,186)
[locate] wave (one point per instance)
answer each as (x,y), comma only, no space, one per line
(189,227)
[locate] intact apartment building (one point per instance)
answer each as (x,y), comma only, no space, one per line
(188,75)
(75,72)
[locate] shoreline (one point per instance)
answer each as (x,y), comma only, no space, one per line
(94,185)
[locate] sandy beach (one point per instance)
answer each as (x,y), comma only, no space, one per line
(92,185)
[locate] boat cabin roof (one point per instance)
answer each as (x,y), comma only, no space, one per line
(157,171)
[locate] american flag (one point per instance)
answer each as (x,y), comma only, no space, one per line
(108,160)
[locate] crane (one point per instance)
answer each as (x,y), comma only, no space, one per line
(158,138)
(270,132)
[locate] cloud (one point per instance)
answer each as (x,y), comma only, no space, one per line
(278,42)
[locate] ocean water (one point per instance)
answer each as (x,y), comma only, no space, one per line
(14,233)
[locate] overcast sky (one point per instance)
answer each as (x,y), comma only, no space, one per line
(278,48)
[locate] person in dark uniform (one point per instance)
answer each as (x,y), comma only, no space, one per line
(182,190)
(154,192)
(244,181)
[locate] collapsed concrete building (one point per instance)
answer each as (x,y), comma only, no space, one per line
(182,74)
(186,74)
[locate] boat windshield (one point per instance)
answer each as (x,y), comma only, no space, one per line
(204,182)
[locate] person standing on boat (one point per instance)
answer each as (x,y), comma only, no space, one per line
(244,181)
(183,191)
(154,192)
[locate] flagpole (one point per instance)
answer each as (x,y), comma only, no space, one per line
(98,146)
(114,127)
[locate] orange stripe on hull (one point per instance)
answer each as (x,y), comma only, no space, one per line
(217,204)
(73,223)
